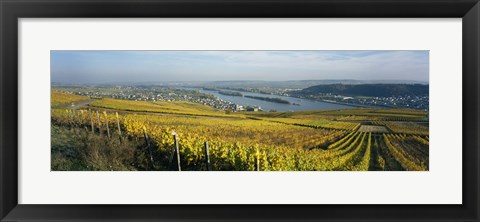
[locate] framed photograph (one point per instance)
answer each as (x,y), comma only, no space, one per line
(239,110)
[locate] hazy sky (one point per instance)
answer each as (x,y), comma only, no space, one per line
(156,66)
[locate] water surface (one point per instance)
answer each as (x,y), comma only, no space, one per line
(296,104)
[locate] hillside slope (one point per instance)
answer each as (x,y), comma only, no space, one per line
(371,90)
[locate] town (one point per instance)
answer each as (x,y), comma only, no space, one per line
(420,102)
(192,94)
(408,102)
(154,93)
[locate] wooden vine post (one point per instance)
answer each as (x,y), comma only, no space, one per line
(207,156)
(258,159)
(118,124)
(91,120)
(106,123)
(99,124)
(148,144)
(177,150)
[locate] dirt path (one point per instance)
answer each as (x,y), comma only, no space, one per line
(78,105)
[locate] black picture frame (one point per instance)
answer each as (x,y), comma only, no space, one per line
(12,10)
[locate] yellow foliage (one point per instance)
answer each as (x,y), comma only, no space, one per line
(62,98)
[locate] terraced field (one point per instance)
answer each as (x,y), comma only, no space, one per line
(373,129)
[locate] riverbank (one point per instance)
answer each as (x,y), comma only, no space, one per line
(352,104)
(300,104)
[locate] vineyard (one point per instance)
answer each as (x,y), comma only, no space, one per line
(177,107)
(61,98)
(112,134)
(405,127)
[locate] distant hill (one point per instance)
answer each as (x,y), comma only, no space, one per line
(291,84)
(372,90)
(301,84)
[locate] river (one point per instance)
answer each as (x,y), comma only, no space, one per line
(302,104)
